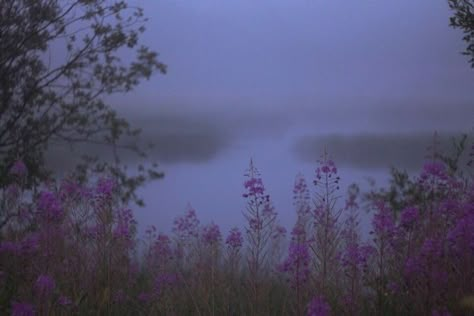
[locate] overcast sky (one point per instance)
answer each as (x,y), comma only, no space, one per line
(279,80)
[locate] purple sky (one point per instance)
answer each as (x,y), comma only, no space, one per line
(278,80)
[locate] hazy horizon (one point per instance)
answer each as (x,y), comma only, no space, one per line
(279,81)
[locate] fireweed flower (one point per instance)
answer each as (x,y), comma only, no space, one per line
(261,218)
(434,176)
(163,245)
(144,297)
(355,256)
(13,191)
(19,169)
(22,309)
(260,209)
(298,233)
(427,266)
(327,169)
(461,235)
(64,300)
(71,190)
(160,252)
(211,234)
(413,266)
(318,307)
(280,232)
(254,186)
(409,217)
(255,224)
(106,186)
(45,285)
(9,247)
(27,246)
(30,244)
(164,281)
(301,196)
(234,240)
(49,206)
(187,226)
(260,214)
(383,223)
(125,224)
(296,265)
(432,248)
(434,169)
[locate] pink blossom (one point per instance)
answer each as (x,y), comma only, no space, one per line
(234,240)
(45,285)
(22,309)
(49,206)
(64,300)
(211,234)
(188,225)
(318,307)
(19,169)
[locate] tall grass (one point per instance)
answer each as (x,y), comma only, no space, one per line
(73,250)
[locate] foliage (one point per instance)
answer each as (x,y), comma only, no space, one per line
(58,62)
(463,19)
(72,249)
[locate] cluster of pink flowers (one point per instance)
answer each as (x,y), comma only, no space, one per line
(211,234)
(77,247)
(234,240)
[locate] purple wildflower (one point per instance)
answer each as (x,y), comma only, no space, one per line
(30,243)
(187,226)
(64,301)
(162,246)
(49,206)
(144,297)
(280,232)
(383,223)
(45,285)
(298,233)
(13,191)
(327,168)
(434,169)
(355,256)
(22,309)
(318,307)
(461,235)
(409,217)
(296,265)
(255,224)
(234,240)
(164,281)
(9,247)
(413,266)
(125,224)
(300,189)
(105,187)
(19,169)
(254,186)
(211,234)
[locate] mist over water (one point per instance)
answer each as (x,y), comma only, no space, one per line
(280,82)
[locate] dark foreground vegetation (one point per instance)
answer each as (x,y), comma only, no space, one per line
(71,249)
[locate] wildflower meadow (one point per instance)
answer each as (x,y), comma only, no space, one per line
(71,248)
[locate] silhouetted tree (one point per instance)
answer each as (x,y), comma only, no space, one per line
(463,19)
(58,59)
